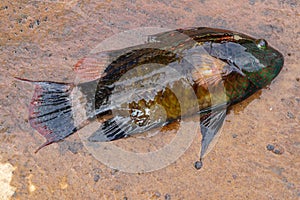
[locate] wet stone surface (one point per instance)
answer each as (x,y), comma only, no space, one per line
(44,40)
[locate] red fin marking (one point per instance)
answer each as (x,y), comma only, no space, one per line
(91,68)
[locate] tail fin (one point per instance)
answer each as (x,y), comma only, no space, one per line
(50,111)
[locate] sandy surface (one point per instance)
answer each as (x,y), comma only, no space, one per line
(43,40)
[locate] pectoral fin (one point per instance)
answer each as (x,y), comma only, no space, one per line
(210,125)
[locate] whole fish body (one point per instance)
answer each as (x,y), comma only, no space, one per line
(178,74)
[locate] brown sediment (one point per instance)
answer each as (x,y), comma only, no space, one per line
(236,168)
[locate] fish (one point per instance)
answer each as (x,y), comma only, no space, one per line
(139,88)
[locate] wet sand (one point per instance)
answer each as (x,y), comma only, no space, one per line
(42,41)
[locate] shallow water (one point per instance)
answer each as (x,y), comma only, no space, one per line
(43,40)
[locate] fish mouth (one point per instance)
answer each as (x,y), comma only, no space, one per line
(269,72)
(278,63)
(280,60)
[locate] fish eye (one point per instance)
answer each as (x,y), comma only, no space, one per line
(261,44)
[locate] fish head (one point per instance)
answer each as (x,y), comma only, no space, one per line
(260,62)
(246,55)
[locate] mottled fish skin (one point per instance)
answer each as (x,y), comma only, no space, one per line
(136,89)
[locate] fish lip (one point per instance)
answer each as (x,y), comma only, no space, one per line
(277,62)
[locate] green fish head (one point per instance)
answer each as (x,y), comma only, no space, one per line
(259,61)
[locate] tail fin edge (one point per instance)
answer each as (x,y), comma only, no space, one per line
(50,111)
